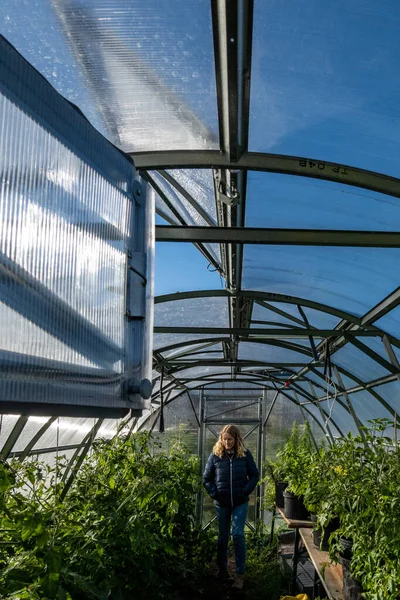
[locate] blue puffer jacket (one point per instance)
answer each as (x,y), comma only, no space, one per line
(229,481)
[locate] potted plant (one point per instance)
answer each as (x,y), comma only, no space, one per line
(274,482)
(365,491)
(295,458)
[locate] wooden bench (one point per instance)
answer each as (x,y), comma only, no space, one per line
(330,575)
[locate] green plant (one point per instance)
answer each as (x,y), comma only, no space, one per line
(364,493)
(126,527)
(265,574)
(295,458)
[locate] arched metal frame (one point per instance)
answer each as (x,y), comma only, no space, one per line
(232,34)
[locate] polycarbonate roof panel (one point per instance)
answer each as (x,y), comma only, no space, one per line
(339,277)
(390,322)
(339,416)
(391,393)
(316,318)
(322,81)
(322,391)
(184,350)
(203,371)
(317,416)
(192,312)
(260,313)
(270,353)
(367,407)
(376,345)
(142,72)
(358,363)
(320,319)
(163,340)
(199,183)
(188,213)
(285,201)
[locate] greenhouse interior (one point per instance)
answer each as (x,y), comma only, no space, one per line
(198,210)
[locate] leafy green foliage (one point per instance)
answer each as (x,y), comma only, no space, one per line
(125,529)
(265,574)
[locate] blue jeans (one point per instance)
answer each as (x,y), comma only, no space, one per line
(238,516)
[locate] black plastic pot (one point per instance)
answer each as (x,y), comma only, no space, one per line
(294,507)
(319,543)
(346,546)
(352,588)
(280,487)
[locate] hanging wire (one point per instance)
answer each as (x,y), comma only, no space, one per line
(211,270)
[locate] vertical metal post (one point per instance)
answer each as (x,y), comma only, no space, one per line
(259,462)
(200,451)
(262,426)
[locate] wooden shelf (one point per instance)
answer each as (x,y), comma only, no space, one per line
(332,578)
(294,524)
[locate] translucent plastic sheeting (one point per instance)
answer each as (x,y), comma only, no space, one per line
(358,363)
(340,278)
(390,392)
(322,82)
(390,322)
(323,385)
(238,409)
(189,349)
(149,67)
(203,371)
(188,213)
(200,185)
(210,353)
(376,345)
(314,410)
(179,415)
(54,228)
(270,353)
(32,427)
(284,201)
(163,211)
(316,318)
(164,340)
(65,431)
(34,342)
(280,423)
(273,319)
(368,407)
(109,428)
(192,312)
(341,417)
(7,423)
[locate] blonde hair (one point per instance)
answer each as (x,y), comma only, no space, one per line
(239,448)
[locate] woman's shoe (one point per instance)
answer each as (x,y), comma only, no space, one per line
(238,583)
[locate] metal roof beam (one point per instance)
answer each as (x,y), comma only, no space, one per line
(269,333)
(293,237)
(382,308)
(271,163)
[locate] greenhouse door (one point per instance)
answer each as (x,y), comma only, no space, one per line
(246,412)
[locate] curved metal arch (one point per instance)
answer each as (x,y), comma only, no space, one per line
(270,163)
(365,387)
(262,386)
(257,295)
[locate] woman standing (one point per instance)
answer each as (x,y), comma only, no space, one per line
(229,477)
